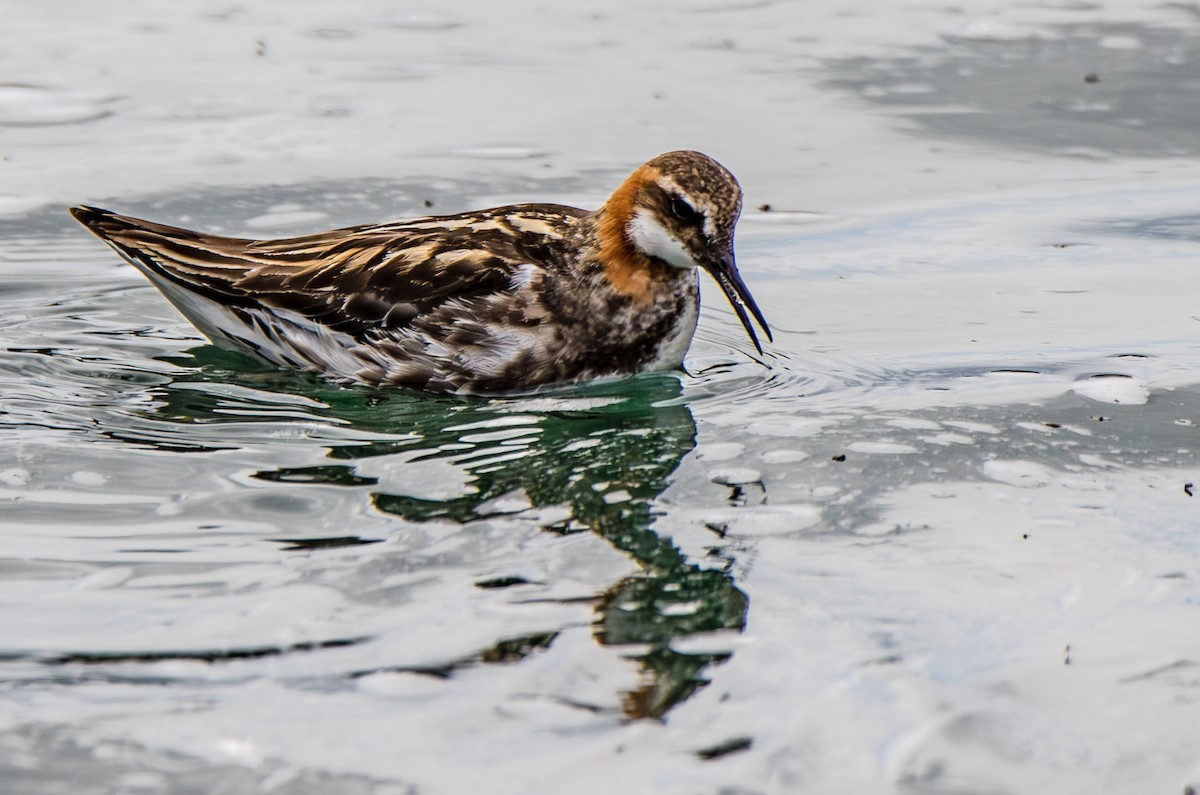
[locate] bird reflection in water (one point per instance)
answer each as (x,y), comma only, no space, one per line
(631,445)
(599,458)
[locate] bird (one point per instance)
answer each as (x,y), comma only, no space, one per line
(511,299)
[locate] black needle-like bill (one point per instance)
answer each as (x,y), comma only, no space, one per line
(726,274)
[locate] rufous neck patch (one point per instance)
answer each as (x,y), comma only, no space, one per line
(630,273)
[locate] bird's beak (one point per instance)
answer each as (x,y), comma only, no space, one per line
(725,272)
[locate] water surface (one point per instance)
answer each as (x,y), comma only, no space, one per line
(940,537)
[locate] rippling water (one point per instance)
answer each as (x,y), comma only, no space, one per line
(939,537)
(150,470)
(185,526)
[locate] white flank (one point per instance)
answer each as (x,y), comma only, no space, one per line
(279,336)
(675,345)
(652,239)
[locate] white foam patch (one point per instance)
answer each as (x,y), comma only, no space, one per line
(40,106)
(14,477)
(765,520)
(1026,474)
(1113,389)
(17,205)
(720,451)
(784,456)
(945,439)
(501,152)
(276,220)
(914,424)
(786,427)
(973,427)
(881,448)
(86,477)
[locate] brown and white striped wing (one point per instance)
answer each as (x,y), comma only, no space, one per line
(389,303)
(353,281)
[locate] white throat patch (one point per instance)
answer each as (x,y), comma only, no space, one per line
(652,239)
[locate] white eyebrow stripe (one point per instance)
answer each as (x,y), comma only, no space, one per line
(686,200)
(672,189)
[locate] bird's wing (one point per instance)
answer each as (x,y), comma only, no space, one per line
(354,280)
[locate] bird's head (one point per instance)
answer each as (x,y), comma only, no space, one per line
(680,210)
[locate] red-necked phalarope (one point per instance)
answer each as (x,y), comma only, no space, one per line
(508,299)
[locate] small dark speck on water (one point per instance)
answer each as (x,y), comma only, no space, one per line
(1067,655)
(730,746)
(1187,489)
(840,457)
(1099,418)
(501,582)
(719,528)
(260,48)
(1052,425)
(428,203)
(764,208)
(1091,77)
(334,542)
(1025,536)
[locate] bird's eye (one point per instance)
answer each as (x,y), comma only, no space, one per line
(684,211)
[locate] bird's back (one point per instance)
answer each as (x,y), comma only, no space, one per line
(353,280)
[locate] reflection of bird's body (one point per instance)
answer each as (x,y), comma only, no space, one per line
(511,298)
